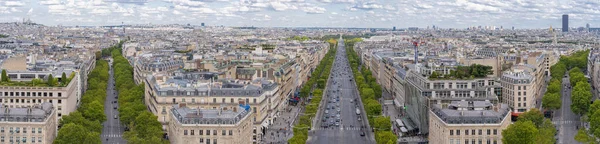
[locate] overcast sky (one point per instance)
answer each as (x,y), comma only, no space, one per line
(307,13)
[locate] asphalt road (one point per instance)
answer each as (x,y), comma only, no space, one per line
(340,101)
(112,131)
(565,119)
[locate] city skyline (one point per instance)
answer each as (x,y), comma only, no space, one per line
(304,13)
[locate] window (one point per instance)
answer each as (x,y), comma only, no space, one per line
(480,132)
(231,100)
(480,141)
(466,132)
(254,109)
(207,132)
(18,130)
(50,94)
(24,139)
(32,130)
(214,100)
(230,132)
(215,132)
(59,95)
(174,101)
(457,132)
(524,87)
(2,129)
(223,132)
(191,132)
(11,139)
(183,100)
(488,132)
(473,133)
(32,139)
(184,132)
(24,130)
(452,141)
(223,100)
(254,100)
(1,138)
(466,141)
(193,100)
(488,141)
(207,141)
(40,130)
(214,141)
(200,132)
(495,142)
(519,87)
(201,140)
(39,139)
(451,132)
(495,131)
(59,101)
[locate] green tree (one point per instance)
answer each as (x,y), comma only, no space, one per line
(580,99)
(50,80)
(382,123)
(383,137)
(367,93)
(547,133)
(98,55)
(94,111)
(551,101)
(76,134)
(63,79)
(321,83)
(554,86)
(521,132)
(5,76)
(534,115)
(594,107)
(594,119)
(583,137)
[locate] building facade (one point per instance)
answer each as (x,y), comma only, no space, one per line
(468,122)
(34,124)
(211,126)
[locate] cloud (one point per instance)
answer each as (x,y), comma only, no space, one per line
(314,10)
(13,3)
(279,6)
(50,2)
(368,6)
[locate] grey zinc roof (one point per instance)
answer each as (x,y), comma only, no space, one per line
(453,115)
(37,113)
(185,115)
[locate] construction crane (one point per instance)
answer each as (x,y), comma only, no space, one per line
(416,43)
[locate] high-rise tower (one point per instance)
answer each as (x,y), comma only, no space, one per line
(565,23)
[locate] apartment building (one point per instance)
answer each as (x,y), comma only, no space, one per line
(468,122)
(594,68)
(201,90)
(518,90)
(211,126)
(34,124)
(64,99)
(421,92)
(153,64)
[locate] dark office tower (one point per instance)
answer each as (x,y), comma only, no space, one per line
(565,23)
(394,29)
(202,24)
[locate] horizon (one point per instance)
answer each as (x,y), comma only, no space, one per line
(304,13)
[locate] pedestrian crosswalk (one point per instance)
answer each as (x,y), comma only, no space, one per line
(565,122)
(340,128)
(111,135)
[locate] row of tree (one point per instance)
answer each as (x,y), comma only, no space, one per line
(531,128)
(322,74)
(581,95)
(84,124)
(144,127)
(370,92)
(461,72)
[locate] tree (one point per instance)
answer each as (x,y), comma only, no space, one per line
(434,75)
(580,100)
(94,111)
(383,137)
(521,132)
(367,93)
(321,83)
(583,137)
(63,79)
(534,115)
(594,119)
(5,76)
(36,81)
(382,123)
(547,132)
(594,107)
(554,87)
(551,101)
(74,134)
(50,80)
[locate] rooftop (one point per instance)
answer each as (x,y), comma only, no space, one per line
(471,112)
(37,113)
(185,115)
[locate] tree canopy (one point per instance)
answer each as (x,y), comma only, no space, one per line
(521,132)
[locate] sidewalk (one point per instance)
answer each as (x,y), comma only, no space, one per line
(280,131)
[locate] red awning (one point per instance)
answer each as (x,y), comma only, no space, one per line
(515,114)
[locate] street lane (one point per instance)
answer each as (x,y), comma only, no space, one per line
(565,119)
(341,94)
(112,131)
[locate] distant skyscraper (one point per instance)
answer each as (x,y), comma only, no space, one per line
(394,29)
(565,23)
(202,24)
(587,26)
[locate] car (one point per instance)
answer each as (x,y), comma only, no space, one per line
(359,119)
(114,107)
(362,133)
(339,109)
(114,101)
(116,116)
(351,101)
(326,111)
(337,124)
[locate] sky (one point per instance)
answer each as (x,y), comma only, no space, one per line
(306,13)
